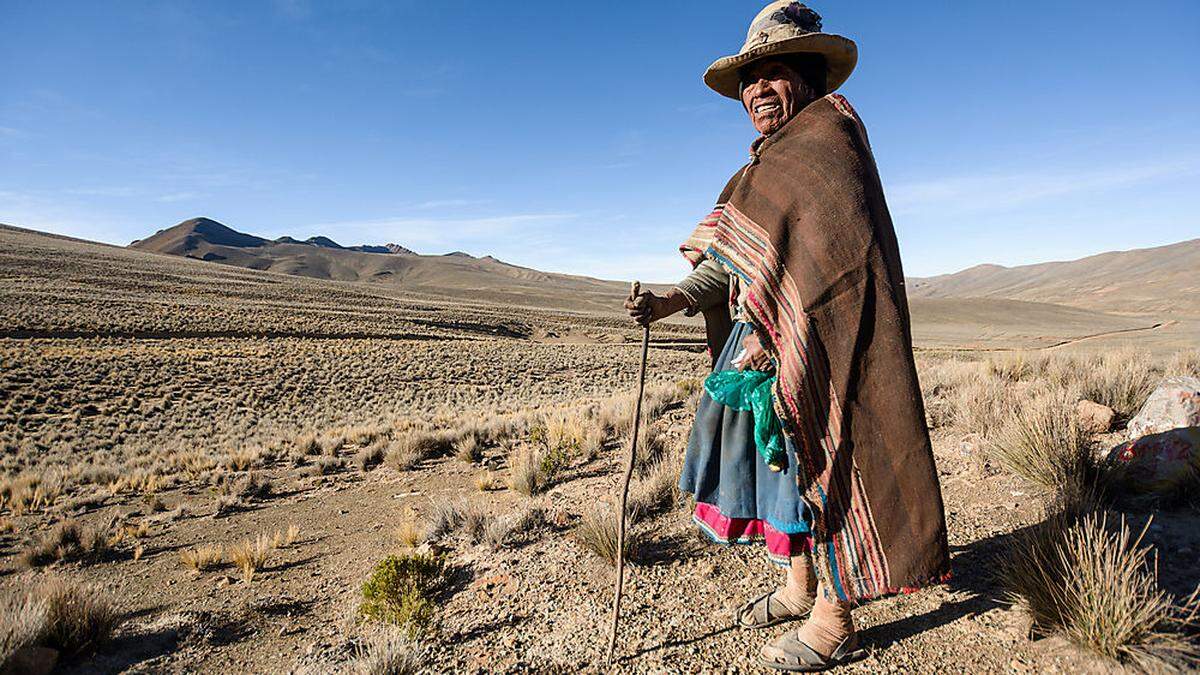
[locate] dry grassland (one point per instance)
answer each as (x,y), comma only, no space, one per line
(267,474)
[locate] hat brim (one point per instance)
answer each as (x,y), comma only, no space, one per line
(841,55)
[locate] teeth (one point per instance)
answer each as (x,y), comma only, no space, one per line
(766,107)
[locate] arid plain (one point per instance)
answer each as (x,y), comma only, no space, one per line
(224,455)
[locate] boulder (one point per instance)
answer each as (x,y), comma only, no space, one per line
(1174,404)
(1094,417)
(1159,463)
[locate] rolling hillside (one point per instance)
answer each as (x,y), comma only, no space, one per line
(454,274)
(1160,280)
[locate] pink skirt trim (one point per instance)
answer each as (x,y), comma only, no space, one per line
(725,530)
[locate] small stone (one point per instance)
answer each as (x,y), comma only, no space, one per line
(1094,417)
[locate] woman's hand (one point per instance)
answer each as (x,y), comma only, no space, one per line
(647,307)
(756,357)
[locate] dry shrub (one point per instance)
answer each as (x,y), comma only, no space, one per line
(387,651)
(598,533)
(7,526)
(69,541)
(372,455)
(1121,380)
(202,558)
(249,556)
(1092,583)
(401,591)
(1044,443)
(79,618)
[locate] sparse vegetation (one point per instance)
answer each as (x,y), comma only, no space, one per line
(387,651)
(69,541)
(203,558)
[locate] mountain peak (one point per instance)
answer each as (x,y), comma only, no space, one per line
(399,250)
(324,242)
(189,233)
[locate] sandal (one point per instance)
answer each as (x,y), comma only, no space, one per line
(765,611)
(797,657)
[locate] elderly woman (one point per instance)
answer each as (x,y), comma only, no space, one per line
(811,435)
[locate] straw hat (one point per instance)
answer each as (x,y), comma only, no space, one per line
(785,27)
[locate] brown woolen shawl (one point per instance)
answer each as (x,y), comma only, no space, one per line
(807,226)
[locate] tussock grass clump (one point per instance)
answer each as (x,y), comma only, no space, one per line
(413,447)
(1185,363)
(598,533)
(203,558)
(525,471)
(468,448)
(253,486)
(1093,584)
(401,591)
(244,459)
(657,490)
(306,444)
(410,533)
(227,504)
(445,516)
(23,620)
(30,492)
(249,556)
(489,481)
(69,541)
(504,530)
(387,651)
(1121,380)
(60,614)
(371,455)
(1044,443)
(285,537)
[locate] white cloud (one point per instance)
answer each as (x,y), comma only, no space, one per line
(996,191)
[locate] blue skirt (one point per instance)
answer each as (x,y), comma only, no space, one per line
(724,470)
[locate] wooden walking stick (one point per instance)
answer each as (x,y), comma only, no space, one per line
(633,439)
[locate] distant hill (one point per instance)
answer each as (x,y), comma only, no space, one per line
(1163,279)
(454,274)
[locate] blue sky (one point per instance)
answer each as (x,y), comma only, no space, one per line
(579,137)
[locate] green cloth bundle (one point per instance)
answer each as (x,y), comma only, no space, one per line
(751,390)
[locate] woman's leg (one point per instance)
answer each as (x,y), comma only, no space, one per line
(801,583)
(829,625)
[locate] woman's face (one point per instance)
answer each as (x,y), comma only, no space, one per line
(772,94)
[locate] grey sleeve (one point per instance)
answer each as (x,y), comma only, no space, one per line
(707,286)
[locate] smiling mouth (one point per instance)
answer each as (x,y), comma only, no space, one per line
(766,108)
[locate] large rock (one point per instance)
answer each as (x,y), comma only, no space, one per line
(1174,404)
(1094,417)
(1160,463)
